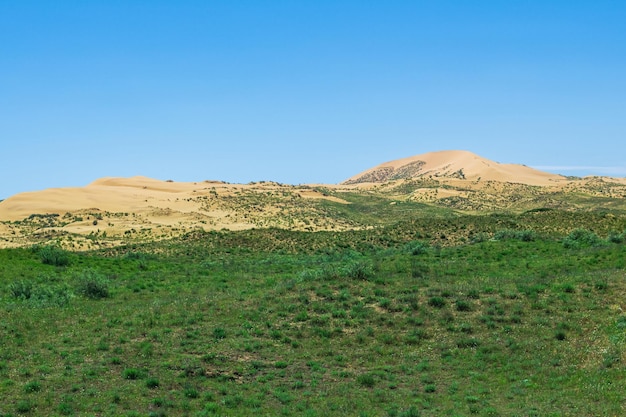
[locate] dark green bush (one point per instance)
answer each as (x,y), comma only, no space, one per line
(131,373)
(32,386)
(53,255)
(438,302)
(219,333)
(615,237)
(463,305)
(152,383)
(191,392)
(22,290)
(92,284)
(467,342)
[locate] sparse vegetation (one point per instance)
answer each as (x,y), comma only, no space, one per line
(389,320)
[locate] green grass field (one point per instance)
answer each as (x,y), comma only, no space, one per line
(502,316)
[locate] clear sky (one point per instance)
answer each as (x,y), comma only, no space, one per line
(302,91)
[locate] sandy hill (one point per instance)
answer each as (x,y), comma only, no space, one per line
(113,211)
(462,165)
(144,208)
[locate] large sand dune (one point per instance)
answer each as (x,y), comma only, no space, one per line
(454,165)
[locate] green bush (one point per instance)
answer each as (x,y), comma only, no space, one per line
(615,237)
(581,238)
(41,295)
(53,255)
(22,290)
(152,383)
(366,380)
(23,406)
(51,296)
(522,235)
(416,247)
(92,284)
(463,305)
(358,270)
(438,302)
(32,386)
(131,373)
(219,333)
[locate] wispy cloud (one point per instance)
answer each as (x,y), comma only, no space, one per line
(585,170)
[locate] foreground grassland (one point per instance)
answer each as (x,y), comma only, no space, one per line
(485,316)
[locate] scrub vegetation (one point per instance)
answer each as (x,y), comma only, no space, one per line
(497,315)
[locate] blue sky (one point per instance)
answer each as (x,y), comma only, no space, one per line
(304,91)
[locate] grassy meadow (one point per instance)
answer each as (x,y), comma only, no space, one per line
(504,315)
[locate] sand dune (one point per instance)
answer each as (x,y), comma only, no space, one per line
(140,208)
(462,165)
(136,194)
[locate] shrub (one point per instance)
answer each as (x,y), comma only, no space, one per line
(65,409)
(615,237)
(327,273)
(22,290)
(430,388)
(51,296)
(131,373)
(92,284)
(40,296)
(463,305)
(437,302)
(53,255)
(479,237)
(191,392)
(523,235)
(416,247)
(219,333)
(359,270)
(32,386)
(24,406)
(581,238)
(152,383)
(467,342)
(418,270)
(366,380)
(411,411)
